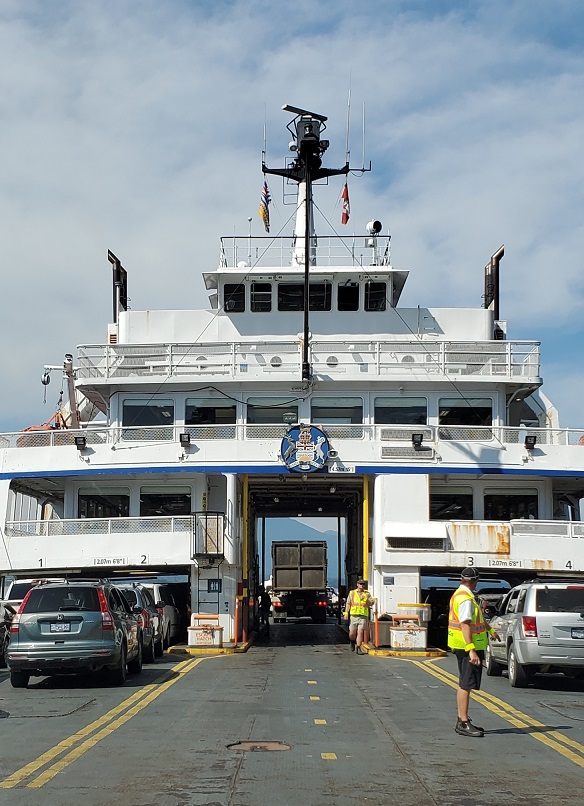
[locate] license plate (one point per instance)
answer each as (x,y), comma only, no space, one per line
(577,632)
(61,626)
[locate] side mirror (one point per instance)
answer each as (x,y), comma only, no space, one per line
(136,609)
(159,605)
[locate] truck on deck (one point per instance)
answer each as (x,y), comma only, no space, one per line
(299,577)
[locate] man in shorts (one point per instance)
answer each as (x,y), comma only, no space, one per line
(467,638)
(357,607)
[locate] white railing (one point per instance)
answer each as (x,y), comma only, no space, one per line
(341,359)
(241,432)
(277,252)
(100,526)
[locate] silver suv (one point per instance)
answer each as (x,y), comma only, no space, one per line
(68,627)
(541,628)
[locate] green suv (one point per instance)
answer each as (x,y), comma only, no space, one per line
(71,627)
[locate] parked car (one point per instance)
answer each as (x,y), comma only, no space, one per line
(165,602)
(541,628)
(137,596)
(18,589)
(6,616)
(72,627)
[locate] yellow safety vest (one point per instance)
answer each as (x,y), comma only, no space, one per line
(358,604)
(478,627)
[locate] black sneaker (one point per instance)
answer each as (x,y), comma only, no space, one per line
(352,646)
(359,651)
(468,729)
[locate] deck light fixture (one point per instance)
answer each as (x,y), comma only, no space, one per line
(185,439)
(81,443)
(530,442)
(417,440)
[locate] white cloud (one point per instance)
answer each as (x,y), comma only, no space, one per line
(137,126)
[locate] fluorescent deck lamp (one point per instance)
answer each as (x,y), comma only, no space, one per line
(530,442)
(81,443)
(417,440)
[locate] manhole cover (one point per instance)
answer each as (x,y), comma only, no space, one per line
(259,747)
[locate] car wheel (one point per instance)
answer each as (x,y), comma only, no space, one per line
(517,675)
(492,668)
(149,653)
(19,679)
(166,642)
(118,675)
(135,665)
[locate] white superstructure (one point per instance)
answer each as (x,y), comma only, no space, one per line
(441,450)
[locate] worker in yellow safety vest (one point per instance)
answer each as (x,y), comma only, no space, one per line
(357,607)
(468,639)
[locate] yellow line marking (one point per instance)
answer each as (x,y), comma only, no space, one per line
(308,670)
(315,698)
(553,739)
(311,682)
(320,721)
(329,756)
(24,772)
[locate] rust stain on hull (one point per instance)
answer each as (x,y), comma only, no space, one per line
(494,538)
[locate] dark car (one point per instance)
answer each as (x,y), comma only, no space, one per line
(6,616)
(141,602)
(73,627)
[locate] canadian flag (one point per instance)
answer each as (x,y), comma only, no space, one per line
(346,205)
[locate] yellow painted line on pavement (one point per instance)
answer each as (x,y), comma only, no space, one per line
(551,738)
(135,703)
(315,698)
(329,756)
(311,682)
(320,721)
(308,670)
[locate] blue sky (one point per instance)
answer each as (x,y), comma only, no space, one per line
(137,126)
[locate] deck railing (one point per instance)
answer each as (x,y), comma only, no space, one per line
(493,436)
(479,360)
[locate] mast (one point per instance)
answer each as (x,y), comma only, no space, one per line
(305,128)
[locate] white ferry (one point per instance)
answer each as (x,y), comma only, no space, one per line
(303,388)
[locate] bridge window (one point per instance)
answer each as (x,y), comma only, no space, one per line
(320,296)
(501,505)
(147,412)
(209,411)
(348,296)
(234,297)
(271,410)
(261,296)
(165,501)
(375,296)
(466,411)
(336,410)
(290,296)
(451,504)
(401,410)
(106,502)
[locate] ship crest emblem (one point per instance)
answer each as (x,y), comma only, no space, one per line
(304,448)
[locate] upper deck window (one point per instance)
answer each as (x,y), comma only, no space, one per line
(451,503)
(401,410)
(234,297)
(291,296)
(465,411)
(147,412)
(261,296)
(209,411)
(506,505)
(165,500)
(375,296)
(105,502)
(336,410)
(348,296)
(271,410)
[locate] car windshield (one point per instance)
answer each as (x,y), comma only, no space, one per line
(560,600)
(20,589)
(130,596)
(50,600)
